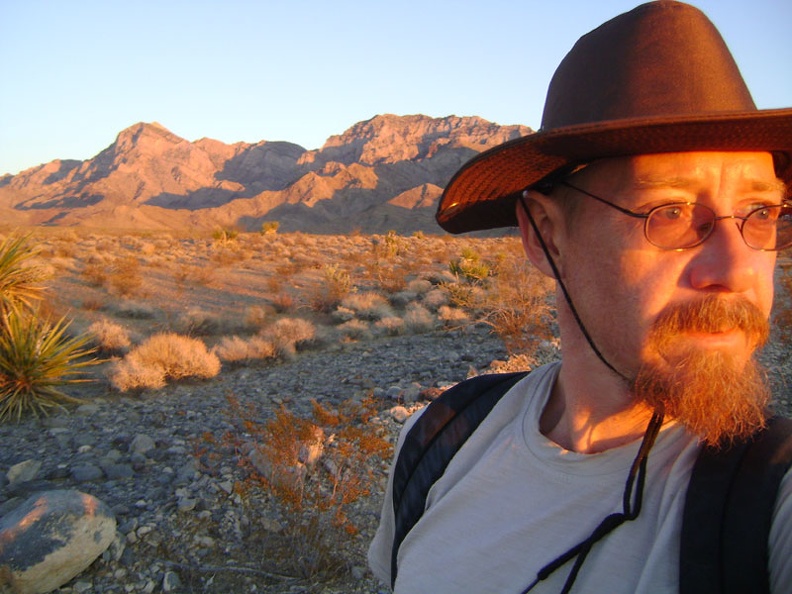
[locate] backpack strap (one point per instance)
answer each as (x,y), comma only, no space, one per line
(433,440)
(728,513)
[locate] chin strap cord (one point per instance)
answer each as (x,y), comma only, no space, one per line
(634,487)
(631,507)
(567,297)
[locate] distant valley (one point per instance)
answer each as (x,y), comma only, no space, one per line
(383,174)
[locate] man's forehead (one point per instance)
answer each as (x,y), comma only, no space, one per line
(753,171)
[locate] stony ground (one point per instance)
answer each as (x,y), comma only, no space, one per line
(157,460)
(183,523)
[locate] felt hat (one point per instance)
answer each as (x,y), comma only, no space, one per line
(656,79)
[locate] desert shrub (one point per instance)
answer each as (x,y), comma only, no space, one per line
(469,266)
(355,329)
(283,302)
(162,358)
(111,337)
(20,281)
(367,306)
(390,277)
(256,315)
(95,274)
(234,349)
(335,285)
(37,358)
(227,254)
(192,274)
(224,235)
(466,295)
(343,314)
(435,298)
(289,334)
(420,286)
(197,322)
(148,249)
(315,469)
(392,326)
(269,227)
(389,246)
(134,310)
(452,316)
(518,306)
(124,276)
(418,319)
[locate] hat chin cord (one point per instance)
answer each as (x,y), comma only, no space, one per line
(567,297)
(636,478)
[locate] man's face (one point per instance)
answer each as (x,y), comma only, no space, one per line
(624,287)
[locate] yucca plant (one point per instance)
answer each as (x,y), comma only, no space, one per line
(20,283)
(36,359)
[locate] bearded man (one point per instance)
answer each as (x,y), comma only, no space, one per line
(656,195)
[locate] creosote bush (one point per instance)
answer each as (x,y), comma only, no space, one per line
(111,338)
(335,286)
(290,334)
(234,349)
(162,358)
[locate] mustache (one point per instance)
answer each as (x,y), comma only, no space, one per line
(714,314)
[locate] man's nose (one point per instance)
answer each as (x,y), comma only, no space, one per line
(724,262)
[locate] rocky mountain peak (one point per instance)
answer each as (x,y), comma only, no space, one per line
(383,173)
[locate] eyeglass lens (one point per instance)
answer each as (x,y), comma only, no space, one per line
(683,225)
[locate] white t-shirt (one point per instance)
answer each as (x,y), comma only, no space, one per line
(511,501)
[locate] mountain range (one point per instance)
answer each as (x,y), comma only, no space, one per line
(382,174)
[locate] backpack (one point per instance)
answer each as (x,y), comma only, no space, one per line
(728,506)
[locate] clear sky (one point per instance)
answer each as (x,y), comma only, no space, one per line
(74,73)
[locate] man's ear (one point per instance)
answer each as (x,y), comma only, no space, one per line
(547,221)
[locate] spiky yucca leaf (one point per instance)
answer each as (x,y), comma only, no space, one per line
(36,359)
(19,282)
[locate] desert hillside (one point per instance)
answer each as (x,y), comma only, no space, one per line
(382,174)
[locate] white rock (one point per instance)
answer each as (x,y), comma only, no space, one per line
(24,471)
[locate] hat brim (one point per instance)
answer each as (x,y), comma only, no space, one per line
(482,194)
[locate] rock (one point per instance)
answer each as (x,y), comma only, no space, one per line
(51,538)
(142,444)
(86,473)
(399,414)
(23,472)
(171,582)
(411,393)
(118,471)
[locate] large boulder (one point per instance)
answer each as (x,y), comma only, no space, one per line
(50,538)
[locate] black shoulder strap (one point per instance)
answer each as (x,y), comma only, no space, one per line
(728,513)
(430,444)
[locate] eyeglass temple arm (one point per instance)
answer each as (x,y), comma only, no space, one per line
(629,213)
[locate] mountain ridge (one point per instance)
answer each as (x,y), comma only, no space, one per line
(385,173)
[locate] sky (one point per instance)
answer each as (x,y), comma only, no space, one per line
(74,73)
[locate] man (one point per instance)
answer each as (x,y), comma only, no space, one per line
(655,193)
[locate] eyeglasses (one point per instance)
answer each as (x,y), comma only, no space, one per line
(684,225)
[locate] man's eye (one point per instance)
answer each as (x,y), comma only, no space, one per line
(765,214)
(671,213)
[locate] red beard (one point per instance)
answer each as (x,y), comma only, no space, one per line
(718,396)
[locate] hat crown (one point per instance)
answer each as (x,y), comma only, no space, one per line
(661,59)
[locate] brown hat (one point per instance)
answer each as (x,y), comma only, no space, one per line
(656,79)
